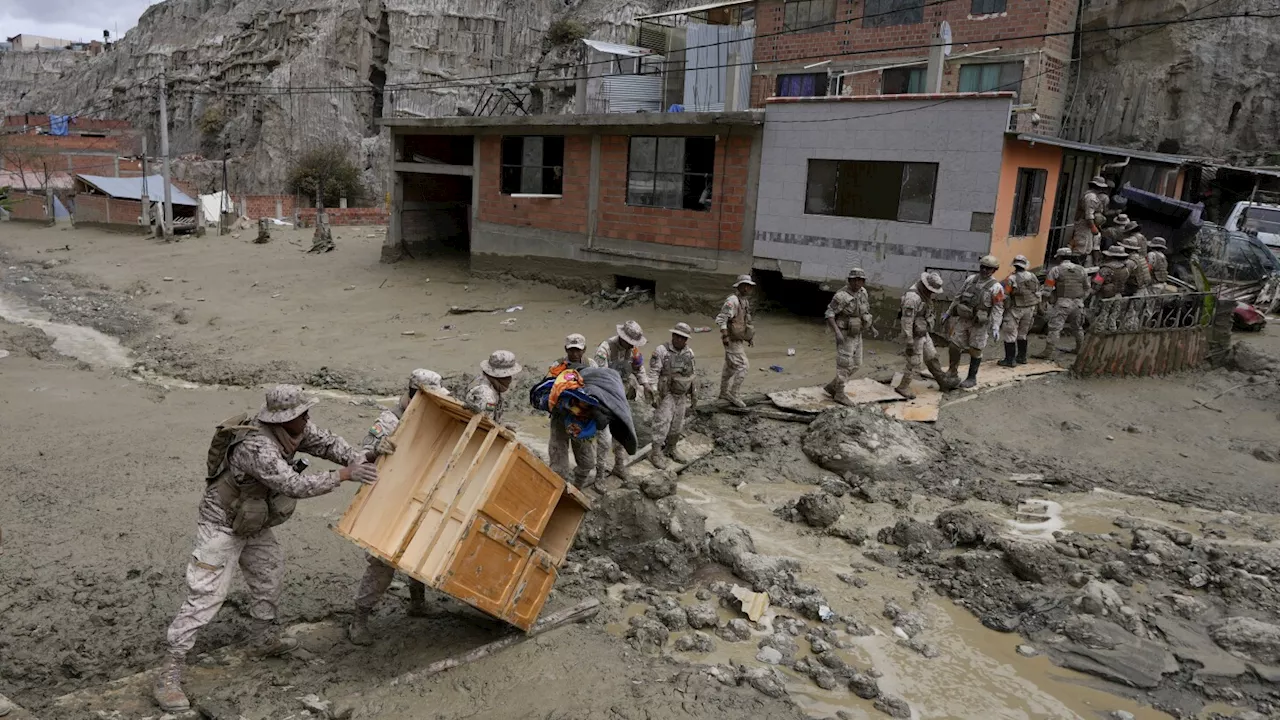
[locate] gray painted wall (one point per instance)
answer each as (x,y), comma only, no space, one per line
(964,136)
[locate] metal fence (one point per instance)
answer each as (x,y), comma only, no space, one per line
(1146,313)
(1148,335)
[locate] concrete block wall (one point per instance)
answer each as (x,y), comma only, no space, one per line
(29,206)
(567,213)
(964,137)
(345,216)
(102,210)
(263,206)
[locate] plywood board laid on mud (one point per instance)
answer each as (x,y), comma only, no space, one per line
(466,509)
(693,446)
(929,398)
(814,400)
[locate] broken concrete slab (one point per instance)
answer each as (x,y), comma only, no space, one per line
(814,400)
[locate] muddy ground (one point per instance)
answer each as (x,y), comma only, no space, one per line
(1163,512)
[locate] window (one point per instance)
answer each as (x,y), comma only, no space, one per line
(883,13)
(1028,202)
(806,14)
(1157,178)
(805,85)
(991,77)
(867,189)
(671,172)
(986,7)
(901,81)
(532,165)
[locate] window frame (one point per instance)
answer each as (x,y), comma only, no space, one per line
(556,170)
(688,171)
(912,73)
(822,83)
(1028,202)
(839,197)
(880,16)
(1003,7)
(981,67)
(827,8)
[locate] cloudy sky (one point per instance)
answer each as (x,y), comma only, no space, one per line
(69,19)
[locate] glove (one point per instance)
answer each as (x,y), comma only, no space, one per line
(946,317)
(364,473)
(385,446)
(995,334)
(875,333)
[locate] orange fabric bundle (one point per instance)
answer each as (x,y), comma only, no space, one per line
(567,380)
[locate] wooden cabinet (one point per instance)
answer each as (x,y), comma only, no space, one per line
(466,509)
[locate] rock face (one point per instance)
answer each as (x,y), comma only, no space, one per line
(1102,648)
(1203,84)
(213,48)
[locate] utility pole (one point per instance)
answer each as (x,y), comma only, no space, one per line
(164,152)
(146,200)
(222,210)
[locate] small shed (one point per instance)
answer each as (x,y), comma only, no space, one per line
(622,79)
(116,201)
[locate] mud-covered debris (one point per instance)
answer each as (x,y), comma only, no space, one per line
(1121,715)
(702,616)
(834,486)
(864,686)
(646,633)
(731,546)
(965,528)
(834,662)
(893,706)
(736,630)
(767,681)
(769,656)
(1027,651)
(819,509)
(851,579)
(783,642)
(1187,606)
(659,485)
(915,538)
(823,678)
(656,541)
(1248,638)
(846,530)
(1098,598)
(752,604)
(882,556)
(316,704)
(603,569)
(1117,570)
(1103,648)
(864,441)
(670,614)
(1038,563)
(724,674)
(897,494)
(1150,541)
(1000,622)
(925,649)
(1248,359)
(696,642)
(182,316)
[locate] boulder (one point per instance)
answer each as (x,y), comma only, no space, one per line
(1248,638)
(702,616)
(1038,563)
(658,541)
(1103,648)
(863,441)
(732,547)
(964,528)
(864,686)
(818,509)
(698,642)
(646,633)
(893,706)
(911,534)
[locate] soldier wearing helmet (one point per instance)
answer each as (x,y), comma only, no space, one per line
(1065,287)
(917,323)
(1022,295)
(978,311)
(849,316)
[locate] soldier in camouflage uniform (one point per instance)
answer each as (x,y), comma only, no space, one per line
(1158,263)
(487,392)
(560,444)
(1066,287)
(622,353)
(1139,284)
(1089,217)
(737,333)
(673,365)
(979,311)
(253,488)
(1109,283)
(848,316)
(377,577)
(917,324)
(1022,295)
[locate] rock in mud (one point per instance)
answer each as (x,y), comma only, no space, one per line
(851,579)
(864,686)
(672,615)
(646,633)
(1187,606)
(724,674)
(1119,571)
(1248,638)
(731,546)
(965,528)
(767,681)
(769,656)
(784,643)
(834,486)
(603,569)
(1001,622)
(1099,598)
(820,510)
(915,538)
(1038,563)
(823,678)
(736,630)
(1103,648)
(849,532)
(1152,542)
(925,649)
(1027,651)
(659,485)
(864,441)
(657,541)
(893,706)
(702,616)
(897,494)
(698,642)
(1248,359)
(183,316)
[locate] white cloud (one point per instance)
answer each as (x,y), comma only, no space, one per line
(70,19)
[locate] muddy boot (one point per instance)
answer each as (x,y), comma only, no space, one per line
(417,600)
(904,387)
(835,389)
(673,450)
(1022,352)
(658,457)
(168,688)
(621,471)
(1049,352)
(972,379)
(268,642)
(953,364)
(1010,355)
(946,382)
(358,629)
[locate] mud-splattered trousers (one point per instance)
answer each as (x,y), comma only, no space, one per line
(1066,312)
(378,576)
(851,311)
(917,323)
(218,551)
(584,452)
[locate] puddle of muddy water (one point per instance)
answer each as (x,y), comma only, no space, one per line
(978,673)
(76,341)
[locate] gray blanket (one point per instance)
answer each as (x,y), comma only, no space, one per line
(605,385)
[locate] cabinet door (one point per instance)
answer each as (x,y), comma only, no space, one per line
(532,590)
(526,496)
(487,567)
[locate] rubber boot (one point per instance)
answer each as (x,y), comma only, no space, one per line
(417,600)
(1050,350)
(268,642)
(836,390)
(1010,355)
(168,688)
(953,367)
(972,380)
(658,457)
(1022,352)
(358,629)
(620,470)
(946,383)
(904,387)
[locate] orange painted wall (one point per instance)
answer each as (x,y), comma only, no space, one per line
(1021,154)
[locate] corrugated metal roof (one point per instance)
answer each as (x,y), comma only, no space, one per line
(1108,150)
(618,49)
(698,8)
(130,188)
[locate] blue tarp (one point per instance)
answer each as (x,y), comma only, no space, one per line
(59,124)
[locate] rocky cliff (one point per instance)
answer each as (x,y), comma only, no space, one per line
(270,78)
(1207,88)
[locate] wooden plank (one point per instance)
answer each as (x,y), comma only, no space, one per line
(425,501)
(695,446)
(923,409)
(814,400)
(438,558)
(467,478)
(531,591)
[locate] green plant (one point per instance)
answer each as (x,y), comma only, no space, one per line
(6,201)
(212,121)
(327,170)
(563,33)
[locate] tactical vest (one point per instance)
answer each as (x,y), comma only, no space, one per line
(1139,275)
(1027,291)
(1159,266)
(969,305)
(1072,281)
(251,507)
(850,320)
(740,327)
(1115,274)
(677,374)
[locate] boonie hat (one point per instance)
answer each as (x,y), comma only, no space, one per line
(1115,251)
(423,379)
(285,403)
(1065,251)
(501,364)
(1157,242)
(631,332)
(682,329)
(931,281)
(858,273)
(989,261)
(1098,181)
(744,280)
(1021,261)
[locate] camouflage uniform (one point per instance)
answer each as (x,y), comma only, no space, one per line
(735,318)
(1159,267)
(1092,205)
(976,319)
(612,354)
(483,397)
(1023,296)
(1066,285)
(1111,279)
(917,324)
(558,448)
(852,313)
(259,458)
(675,371)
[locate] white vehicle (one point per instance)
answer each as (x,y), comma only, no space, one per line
(1261,220)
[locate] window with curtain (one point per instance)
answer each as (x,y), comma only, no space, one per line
(671,172)
(532,165)
(991,77)
(872,189)
(803,85)
(883,13)
(1028,202)
(901,81)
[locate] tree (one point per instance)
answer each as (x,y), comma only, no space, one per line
(6,201)
(327,171)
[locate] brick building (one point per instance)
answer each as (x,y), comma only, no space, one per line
(92,146)
(666,198)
